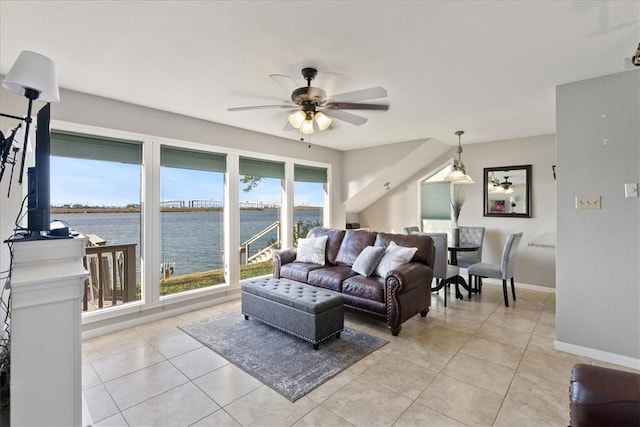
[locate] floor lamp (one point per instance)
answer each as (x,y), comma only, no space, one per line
(33,76)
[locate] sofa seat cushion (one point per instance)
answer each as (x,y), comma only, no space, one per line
(369,288)
(298,271)
(365,305)
(330,277)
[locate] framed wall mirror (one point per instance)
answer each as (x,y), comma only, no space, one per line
(507,191)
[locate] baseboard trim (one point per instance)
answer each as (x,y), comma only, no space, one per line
(152,315)
(496,282)
(592,353)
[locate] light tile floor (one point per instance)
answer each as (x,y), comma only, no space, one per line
(475,362)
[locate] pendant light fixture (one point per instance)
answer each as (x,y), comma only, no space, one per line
(458,175)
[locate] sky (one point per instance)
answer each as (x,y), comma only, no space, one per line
(99,183)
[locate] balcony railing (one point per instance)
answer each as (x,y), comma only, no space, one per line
(112,275)
(245,248)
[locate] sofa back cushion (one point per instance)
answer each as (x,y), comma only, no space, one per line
(353,243)
(425,253)
(334,239)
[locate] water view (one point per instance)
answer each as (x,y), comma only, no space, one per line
(179,231)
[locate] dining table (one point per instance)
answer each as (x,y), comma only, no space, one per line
(453,260)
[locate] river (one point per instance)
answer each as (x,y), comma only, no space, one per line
(192,240)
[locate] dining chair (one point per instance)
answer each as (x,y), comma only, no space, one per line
(505,270)
(470,236)
(442,270)
(412,229)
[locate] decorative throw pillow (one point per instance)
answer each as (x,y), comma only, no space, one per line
(365,264)
(312,250)
(394,256)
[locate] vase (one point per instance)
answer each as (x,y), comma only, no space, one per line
(455,236)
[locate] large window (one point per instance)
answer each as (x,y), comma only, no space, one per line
(435,203)
(95,188)
(260,200)
(191,219)
(310,187)
(173,220)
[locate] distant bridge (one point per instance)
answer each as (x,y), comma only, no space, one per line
(208,204)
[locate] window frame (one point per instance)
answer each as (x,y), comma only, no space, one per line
(150,219)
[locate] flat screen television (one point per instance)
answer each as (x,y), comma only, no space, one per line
(39,189)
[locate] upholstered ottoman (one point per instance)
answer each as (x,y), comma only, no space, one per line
(604,397)
(311,313)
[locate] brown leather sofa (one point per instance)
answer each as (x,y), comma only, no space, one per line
(604,397)
(395,298)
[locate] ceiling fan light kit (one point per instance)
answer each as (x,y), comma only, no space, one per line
(506,186)
(322,120)
(296,118)
(316,110)
(307,125)
(458,175)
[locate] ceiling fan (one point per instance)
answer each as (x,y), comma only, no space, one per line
(312,108)
(496,186)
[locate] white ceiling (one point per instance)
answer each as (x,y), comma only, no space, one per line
(489,68)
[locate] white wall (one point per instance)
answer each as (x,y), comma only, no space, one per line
(399,208)
(598,150)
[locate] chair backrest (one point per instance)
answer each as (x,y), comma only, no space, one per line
(440,243)
(472,235)
(412,229)
(508,264)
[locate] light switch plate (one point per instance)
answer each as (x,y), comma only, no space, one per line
(587,202)
(631,190)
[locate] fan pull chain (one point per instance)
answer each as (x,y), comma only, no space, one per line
(302,139)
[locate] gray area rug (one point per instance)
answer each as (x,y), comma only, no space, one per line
(281,361)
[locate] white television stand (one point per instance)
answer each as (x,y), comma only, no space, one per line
(47,285)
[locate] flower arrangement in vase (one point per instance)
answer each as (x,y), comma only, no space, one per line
(457,201)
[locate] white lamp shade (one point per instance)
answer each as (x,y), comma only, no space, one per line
(456,176)
(307,127)
(33,71)
(322,120)
(296,119)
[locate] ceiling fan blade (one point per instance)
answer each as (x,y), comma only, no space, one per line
(346,117)
(360,95)
(259,107)
(286,82)
(355,106)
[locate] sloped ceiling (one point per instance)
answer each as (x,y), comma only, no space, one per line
(369,173)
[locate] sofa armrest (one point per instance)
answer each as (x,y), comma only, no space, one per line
(408,276)
(281,258)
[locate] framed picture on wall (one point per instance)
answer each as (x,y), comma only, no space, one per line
(497,206)
(507,191)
